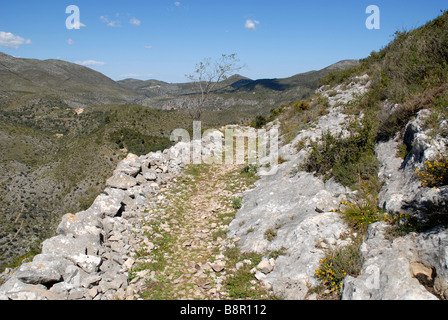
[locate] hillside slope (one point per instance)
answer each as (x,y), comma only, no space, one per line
(364,216)
(81,87)
(78,86)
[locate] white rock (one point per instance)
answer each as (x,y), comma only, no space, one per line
(129,263)
(218,265)
(86,262)
(265,266)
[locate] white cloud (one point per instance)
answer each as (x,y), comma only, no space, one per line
(251,24)
(147,47)
(88,63)
(9,40)
(110,23)
(177,3)
(135,21)
(71,42)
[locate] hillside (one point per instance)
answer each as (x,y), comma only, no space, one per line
(81,87)
(76,85)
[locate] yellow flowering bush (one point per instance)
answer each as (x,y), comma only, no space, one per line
(337,265)
(347,260)
(434,174)
(401,224)
(362,212)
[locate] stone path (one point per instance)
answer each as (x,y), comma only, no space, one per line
(187,233)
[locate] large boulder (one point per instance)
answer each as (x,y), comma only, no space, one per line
(44,269)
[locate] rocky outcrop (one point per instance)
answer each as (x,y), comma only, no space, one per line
(394,269)
(292,212)
(402,192)
(414,267)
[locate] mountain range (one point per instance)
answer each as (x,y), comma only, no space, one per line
(81,87)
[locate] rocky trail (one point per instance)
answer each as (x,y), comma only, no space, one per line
(158,231)
(189,233)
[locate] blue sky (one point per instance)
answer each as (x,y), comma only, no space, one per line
(164,39)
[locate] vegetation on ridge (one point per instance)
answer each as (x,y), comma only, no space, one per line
(408,75)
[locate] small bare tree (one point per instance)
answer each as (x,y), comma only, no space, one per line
(207,77)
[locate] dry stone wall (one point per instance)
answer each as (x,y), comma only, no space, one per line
(94,250)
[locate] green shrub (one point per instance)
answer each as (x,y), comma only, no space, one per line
(339,76)
(276,112)
(259,122)
(236,203)
(362,212)
(239,286)
(439,113)
(394,122)
(301,106)
(350,160)
(137,142)
(249,170)
(429,217)
(402,151)
(270,234)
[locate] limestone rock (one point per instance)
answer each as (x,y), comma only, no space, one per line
(218,265)
(266,265)
(121,180)
(88,263)
(389,267)
(105,205)
(131,165)
(401,191)
(68,246)
(41,272)
(150,176)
